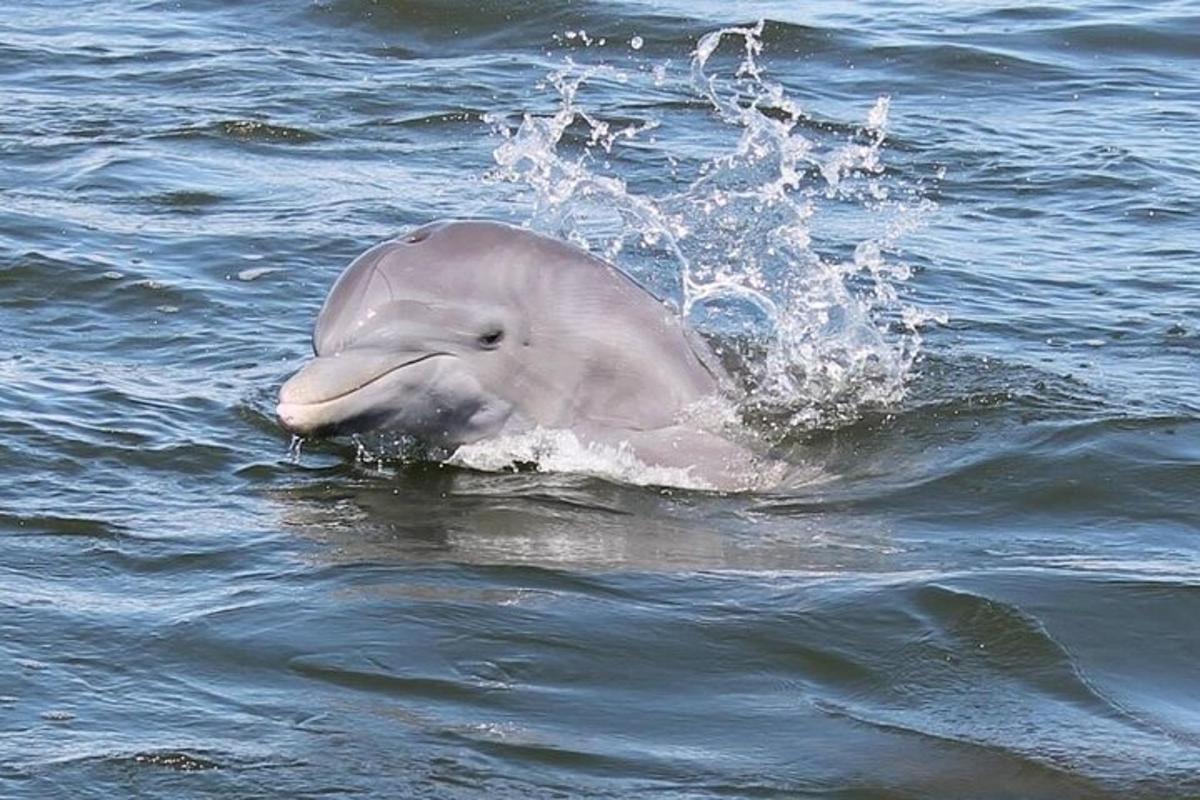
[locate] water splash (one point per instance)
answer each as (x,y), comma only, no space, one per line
(778,234)
(561,451)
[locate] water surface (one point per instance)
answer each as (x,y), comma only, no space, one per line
(955,247)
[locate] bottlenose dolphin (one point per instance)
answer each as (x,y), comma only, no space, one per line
(466,330)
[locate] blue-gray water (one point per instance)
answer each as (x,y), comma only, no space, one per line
(995,592)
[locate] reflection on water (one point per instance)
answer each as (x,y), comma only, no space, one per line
(565,522)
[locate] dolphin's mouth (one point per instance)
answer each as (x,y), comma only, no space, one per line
(321,397)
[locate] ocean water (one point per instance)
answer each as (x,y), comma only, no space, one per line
(949,251)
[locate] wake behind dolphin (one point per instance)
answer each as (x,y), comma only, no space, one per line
(466,332)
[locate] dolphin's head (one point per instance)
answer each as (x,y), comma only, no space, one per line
(465,329)
(416,336)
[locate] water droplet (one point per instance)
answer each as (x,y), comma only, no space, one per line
(745,259)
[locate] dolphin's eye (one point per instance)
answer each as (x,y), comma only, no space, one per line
(491,338)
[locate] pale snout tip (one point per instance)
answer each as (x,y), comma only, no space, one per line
(291,420)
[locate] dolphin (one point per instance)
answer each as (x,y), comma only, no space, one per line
(466,330)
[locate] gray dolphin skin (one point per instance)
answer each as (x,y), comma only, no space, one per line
(466,330)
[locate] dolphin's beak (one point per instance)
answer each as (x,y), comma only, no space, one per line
(328,392)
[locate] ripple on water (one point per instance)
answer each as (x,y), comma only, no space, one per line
(258,131)
(185,199)
(994,591)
